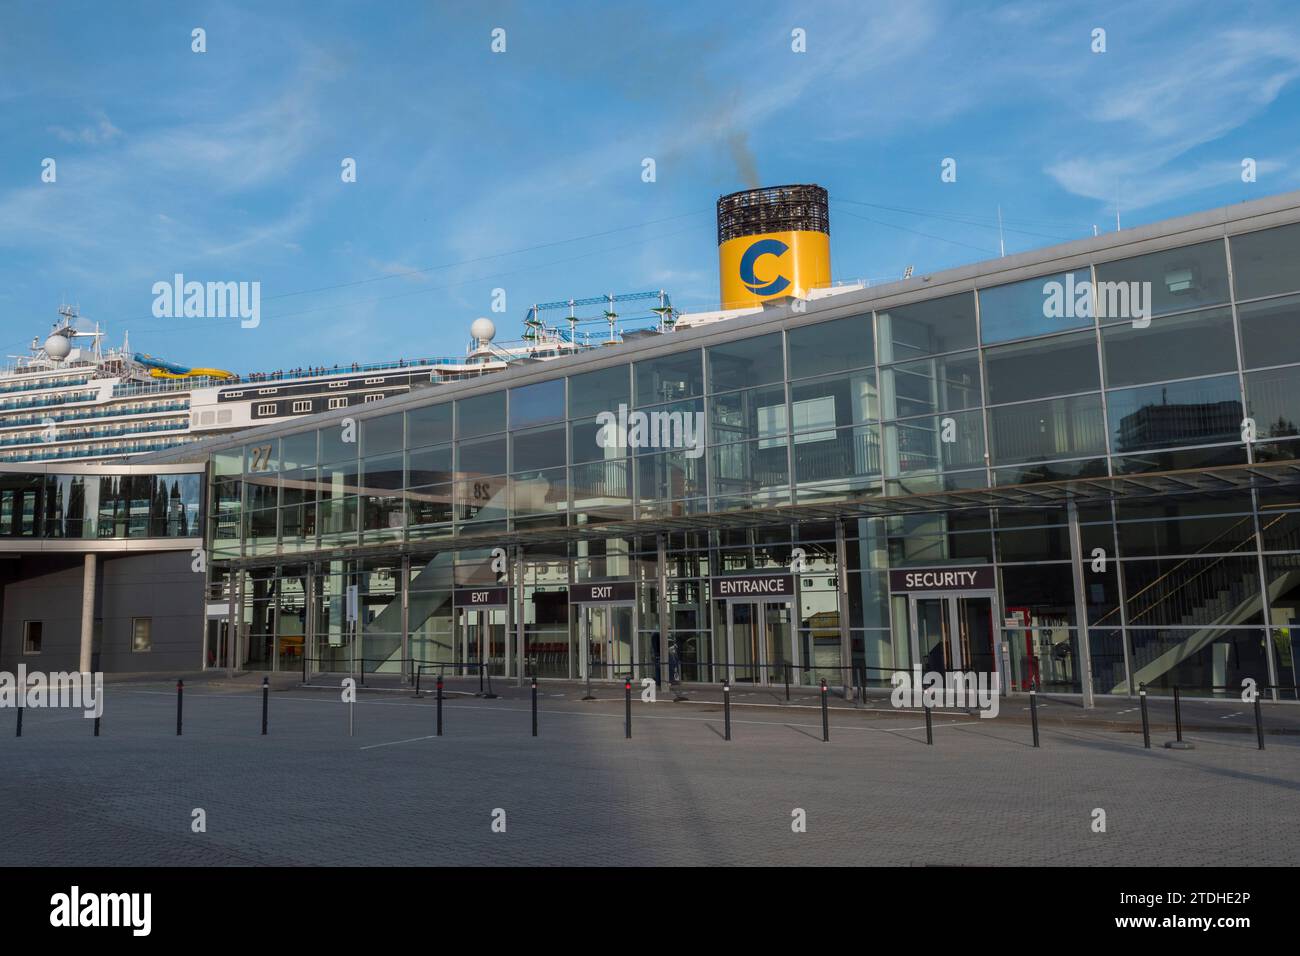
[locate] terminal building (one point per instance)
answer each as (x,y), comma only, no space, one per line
(1075,467)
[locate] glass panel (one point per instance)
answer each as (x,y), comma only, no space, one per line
(817,404)
(1270,332)
(383,472)
(1178,279)
(380,435)
(830,346)
(482,456)
(1055,366)
(481,414)
(837,453)
(428,425)
(1179,346)
(753,413)
(1035,307)
(1059,428)
(600,391)
(297,451)
(427,466)
(927,328)
(1210,661)
(1181,592)
(942,384)
(532,404)
(1179,460)
(752,361)
(536,448)
(1273,401)
(947,443)
(1197,412)
(333,449)
(669,378)
(748,468)
(1264,262)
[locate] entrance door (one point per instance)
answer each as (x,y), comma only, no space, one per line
(605,641)
(482,639)
(760,642)
(953,632)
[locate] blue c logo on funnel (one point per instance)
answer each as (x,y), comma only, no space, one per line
(764,247)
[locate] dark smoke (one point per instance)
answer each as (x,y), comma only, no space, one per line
(746,165)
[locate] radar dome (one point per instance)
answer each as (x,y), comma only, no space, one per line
(57,347)
(483,330)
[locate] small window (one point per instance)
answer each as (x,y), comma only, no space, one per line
(375,381)
(266,408)
(374,397)
(238,394)
(302,406)
(32,636)
(141,634)
(339,402)
(342,384)
(267,391)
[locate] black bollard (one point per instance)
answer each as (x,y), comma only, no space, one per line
(266,693)
(96,726)
(1146,723)
(1178,716)
(417,683)
(534,706)
(726,710)
(180,698)
(787,683)
(627,692)
(929,726)
(1033,713)
(1259,723)
(589,695)
(826,717)
(480,679)
(439,705)
(20,716)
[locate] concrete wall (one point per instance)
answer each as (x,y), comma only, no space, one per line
(159,586)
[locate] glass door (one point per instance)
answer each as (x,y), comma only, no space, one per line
(605,641)
(760,642)
(933,633)
(745,626)
(779,644)
(953,632)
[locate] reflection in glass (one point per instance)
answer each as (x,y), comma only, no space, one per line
(1197,412)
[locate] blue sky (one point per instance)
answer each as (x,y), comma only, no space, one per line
(522,170)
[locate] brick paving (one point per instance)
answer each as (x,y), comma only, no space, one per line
(675,794)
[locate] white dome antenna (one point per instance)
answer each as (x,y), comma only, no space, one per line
(483,330)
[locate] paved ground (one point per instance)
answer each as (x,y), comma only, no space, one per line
(677,793)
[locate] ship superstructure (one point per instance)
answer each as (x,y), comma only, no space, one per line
(75,399)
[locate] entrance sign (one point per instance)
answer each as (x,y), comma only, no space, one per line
(754,586)
(481,597)
(607,592)
(978,578)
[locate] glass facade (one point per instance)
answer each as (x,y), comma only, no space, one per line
(1180,359)
(82,506)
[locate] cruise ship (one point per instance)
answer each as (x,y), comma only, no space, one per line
(74,398)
